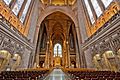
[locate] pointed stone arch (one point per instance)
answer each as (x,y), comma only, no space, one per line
(49,10)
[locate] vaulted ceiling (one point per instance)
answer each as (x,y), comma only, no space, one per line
(59,2)
(58,25)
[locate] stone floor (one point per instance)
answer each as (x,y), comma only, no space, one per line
(57,74)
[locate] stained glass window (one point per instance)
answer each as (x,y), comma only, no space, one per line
(96,7)
(89,11)
(7,1)
(22,18)
(17,6)
(58,50)
(106,2)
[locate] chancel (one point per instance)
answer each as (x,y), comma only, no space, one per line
(57,59)
(59,39)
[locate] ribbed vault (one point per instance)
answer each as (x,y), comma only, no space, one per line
(57,26)
(59,2)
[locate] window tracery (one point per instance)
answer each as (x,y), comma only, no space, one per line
(7,1)
(89,12)
(58,50)
(106,2)
(17,6)
(96,7)
(22,18)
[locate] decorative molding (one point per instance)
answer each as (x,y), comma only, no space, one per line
(107,39)
(105,32)
(12,42)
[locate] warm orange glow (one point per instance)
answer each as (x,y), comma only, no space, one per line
(59,2)
(11,18)
(111,11)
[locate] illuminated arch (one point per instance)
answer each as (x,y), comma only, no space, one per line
(57,45)
(50,10)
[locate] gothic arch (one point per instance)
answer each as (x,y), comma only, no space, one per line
(50,10)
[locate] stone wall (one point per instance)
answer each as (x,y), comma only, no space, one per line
(106,38)
(15,43)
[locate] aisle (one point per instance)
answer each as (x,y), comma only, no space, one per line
(57,74)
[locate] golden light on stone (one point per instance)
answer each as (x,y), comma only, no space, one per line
(59,2)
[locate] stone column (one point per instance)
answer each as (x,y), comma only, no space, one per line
(51,54)
(37,59)
(64,53)
(68,55)
(33,22)
(88,58)
(38,43)
(81,21)
(25,59)
(76,49)
(47,56)
(33,29)
(81,30)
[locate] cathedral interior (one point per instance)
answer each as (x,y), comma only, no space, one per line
(59,39)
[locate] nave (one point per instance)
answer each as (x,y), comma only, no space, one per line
(82,37)
(57,74)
